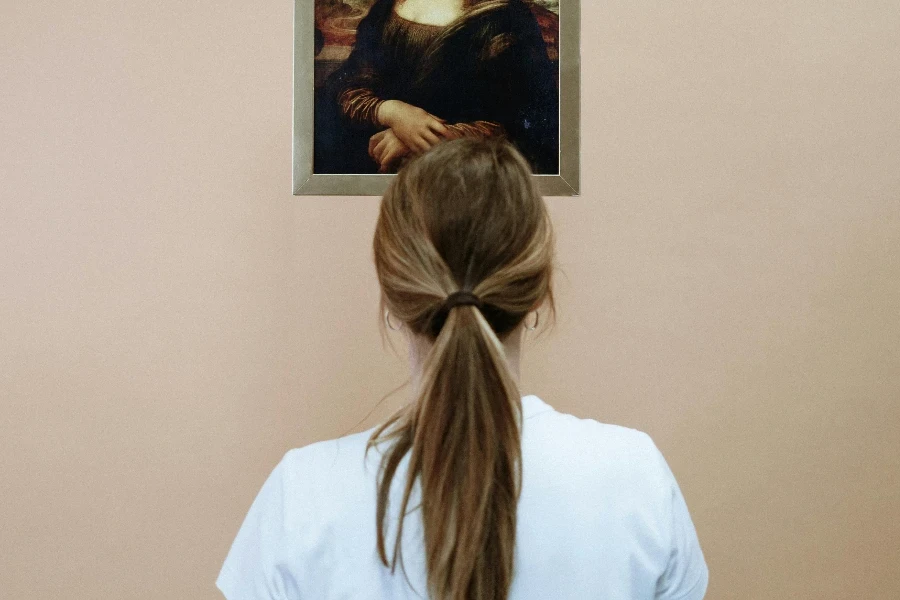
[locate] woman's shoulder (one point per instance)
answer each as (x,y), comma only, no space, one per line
(604,450)
(326,476)
(601,432)
(328,455)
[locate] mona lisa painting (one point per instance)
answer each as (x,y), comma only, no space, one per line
(377,82)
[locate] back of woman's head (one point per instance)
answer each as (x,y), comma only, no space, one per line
(464,216)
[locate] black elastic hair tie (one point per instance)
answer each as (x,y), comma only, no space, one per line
(460,298)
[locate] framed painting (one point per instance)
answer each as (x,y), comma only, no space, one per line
(378,81)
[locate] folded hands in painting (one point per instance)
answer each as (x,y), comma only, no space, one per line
(415,127)
(387,150)
(410,130)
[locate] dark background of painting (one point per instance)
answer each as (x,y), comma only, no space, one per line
(336,22)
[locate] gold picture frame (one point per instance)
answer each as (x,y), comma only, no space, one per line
(308,183)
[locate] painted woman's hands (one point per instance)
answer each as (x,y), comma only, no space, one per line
(387,150)
(416,128)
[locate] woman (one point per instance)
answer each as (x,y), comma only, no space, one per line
(504,497)
(422,71)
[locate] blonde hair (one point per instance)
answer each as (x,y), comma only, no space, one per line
(463,216)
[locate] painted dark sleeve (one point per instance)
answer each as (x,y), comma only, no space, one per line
(360,106)
(477,129)
(356,84)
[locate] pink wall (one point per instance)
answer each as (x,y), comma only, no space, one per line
(172,320)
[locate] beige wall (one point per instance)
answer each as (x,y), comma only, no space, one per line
(172,319)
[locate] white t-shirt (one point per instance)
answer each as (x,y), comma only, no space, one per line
(600,516)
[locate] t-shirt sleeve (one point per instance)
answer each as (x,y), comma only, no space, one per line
(256,567)
(686,575)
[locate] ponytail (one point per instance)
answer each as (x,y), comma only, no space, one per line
(463,429)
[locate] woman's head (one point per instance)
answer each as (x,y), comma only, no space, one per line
(464,216)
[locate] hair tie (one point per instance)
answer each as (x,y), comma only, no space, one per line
(460,298)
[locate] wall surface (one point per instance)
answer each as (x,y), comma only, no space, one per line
(172,320)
